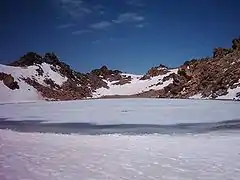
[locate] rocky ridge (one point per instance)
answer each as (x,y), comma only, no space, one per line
(76,86)
(213,77)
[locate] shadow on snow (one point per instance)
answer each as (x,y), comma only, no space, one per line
(130,129)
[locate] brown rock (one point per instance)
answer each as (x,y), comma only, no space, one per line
(123,81)
(2,75)
(170,76)
(221,52)
(51,83)
(155,71)
(236,43)
(145,77)
(8,81)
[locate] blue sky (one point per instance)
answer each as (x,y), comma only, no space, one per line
(129,35)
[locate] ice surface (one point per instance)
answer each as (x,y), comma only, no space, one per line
(212,155)
(36,156)
(124,111)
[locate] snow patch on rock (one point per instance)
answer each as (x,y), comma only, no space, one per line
(26,92)
(135,86)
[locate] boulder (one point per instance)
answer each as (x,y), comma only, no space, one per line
(221,92)
(8,81)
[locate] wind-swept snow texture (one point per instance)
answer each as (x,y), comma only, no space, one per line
(36,156)
(133,139)
(135,86)
(27,93)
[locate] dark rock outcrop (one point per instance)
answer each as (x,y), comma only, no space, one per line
(236,44)
(221,52)
(106,73)
(29,59)
(8,81)
(155,71)
(123,80)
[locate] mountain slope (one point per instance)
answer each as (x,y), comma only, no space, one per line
(47,78)
(34,77)
(26,92)
(135,86)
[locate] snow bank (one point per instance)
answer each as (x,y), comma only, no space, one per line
(231,94)
(69,157)
(196,96)
(26,93)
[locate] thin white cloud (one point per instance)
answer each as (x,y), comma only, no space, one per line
(101,25)
(75,8)
(140,26)
(64,26)
(80,32)
(129,17)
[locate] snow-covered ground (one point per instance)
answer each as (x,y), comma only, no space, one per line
(173,139)
(36,156)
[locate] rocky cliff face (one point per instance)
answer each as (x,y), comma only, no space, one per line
(213,77)
(216,77)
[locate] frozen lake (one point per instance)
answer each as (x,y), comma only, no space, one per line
(122,116)
(120,139)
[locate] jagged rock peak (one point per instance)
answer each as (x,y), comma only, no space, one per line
(104,71)
(221,52)
(155,71)
(236,43)
(162,66)
(28,59)
(32,58)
